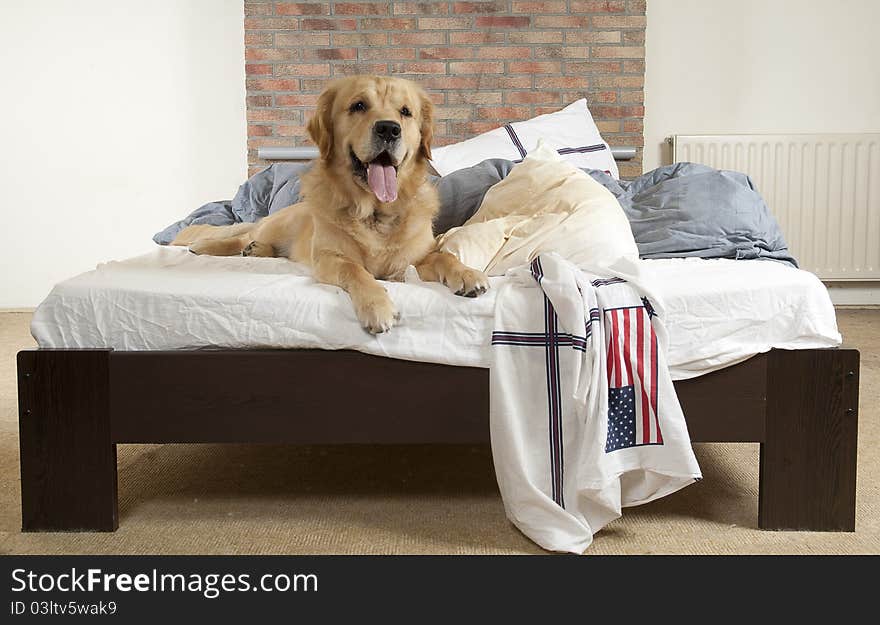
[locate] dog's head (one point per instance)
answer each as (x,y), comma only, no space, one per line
(377,129)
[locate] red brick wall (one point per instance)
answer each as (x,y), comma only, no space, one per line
(484,63)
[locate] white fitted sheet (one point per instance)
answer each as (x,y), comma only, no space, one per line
(717,312)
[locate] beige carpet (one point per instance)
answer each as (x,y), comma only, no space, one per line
(238,499)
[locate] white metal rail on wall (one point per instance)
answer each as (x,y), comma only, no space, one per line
(309,153)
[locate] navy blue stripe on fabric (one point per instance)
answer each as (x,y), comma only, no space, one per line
(573,342)
(537,273)
(553,348)
(569,343)
(607,281)
(551,356)
(561,151)
(515,139)
(540,340)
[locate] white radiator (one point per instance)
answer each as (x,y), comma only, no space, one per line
(823,189)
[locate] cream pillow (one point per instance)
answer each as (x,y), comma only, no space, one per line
(545,204)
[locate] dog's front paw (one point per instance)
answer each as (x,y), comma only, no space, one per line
(255,248)
(198,247)
(468,283)
(377,314)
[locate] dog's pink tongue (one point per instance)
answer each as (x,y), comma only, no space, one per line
(383,181)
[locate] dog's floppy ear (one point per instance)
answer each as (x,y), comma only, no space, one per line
(427,127)
(321,124)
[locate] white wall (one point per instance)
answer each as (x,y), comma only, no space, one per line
(117,117)
(752,66)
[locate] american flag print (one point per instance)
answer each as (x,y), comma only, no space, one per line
(632,378)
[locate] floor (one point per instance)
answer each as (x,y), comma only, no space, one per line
(249,499)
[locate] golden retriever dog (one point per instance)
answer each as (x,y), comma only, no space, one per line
(367,206)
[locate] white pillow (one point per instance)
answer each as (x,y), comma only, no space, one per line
(571,132)
(543,205)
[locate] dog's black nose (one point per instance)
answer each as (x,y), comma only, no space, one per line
(387,130)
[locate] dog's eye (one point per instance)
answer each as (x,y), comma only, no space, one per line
(406,112)
(357,107)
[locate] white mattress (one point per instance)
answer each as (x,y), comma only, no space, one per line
(717,312)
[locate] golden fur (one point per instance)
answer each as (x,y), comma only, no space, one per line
(341,228)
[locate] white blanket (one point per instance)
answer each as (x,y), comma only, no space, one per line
(718,312)
(584,416)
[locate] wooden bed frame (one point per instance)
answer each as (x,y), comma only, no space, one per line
(75,406)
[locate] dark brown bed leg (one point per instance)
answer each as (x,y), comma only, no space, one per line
(808,457)
(68,463)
